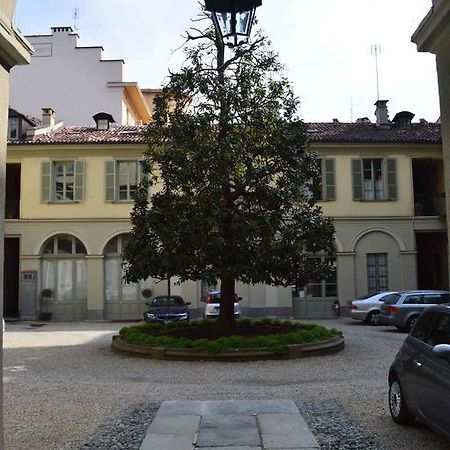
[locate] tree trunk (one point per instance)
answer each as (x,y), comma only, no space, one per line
(226,315)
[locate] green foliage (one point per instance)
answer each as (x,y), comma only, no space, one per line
(305,333)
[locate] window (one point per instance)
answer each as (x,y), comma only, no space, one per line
(62,181)
(390,299)
(13,128)
(326,288)
(440,332)
(327,188)
(374,179)
(122,180)
(128,179)
(436,299)
(116,289)
(373,187)
(377,272)
(413,300)
(64,174)
(64,268)
(420,331)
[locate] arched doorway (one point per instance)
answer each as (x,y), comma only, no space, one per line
(63,271)
(123,301)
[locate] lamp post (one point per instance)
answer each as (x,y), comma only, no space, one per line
(233,19)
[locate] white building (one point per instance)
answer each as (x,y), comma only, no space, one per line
(76,82)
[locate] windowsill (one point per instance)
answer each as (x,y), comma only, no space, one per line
(375,200)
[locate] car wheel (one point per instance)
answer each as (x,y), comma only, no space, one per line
(397,405)
(373,318)
(411,322)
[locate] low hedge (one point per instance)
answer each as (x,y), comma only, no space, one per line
(155,335)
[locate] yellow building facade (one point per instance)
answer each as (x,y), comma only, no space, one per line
(69,198)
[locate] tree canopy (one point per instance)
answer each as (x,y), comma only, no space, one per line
(230,188)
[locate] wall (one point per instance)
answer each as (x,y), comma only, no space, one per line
(94,205)
(72,81)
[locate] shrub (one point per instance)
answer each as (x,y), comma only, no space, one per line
(155,335)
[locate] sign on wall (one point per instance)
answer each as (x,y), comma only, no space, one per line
(41,50)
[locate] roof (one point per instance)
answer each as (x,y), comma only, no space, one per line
(335,132)
(33,121)
(88,135)
(371,133)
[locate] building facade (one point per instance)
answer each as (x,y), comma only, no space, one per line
(69,201)
(76,82)
(382,183)
(433,35)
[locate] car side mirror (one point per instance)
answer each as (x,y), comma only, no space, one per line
(442,351)
(187,303)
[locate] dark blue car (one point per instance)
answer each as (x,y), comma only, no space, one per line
(164,309)
(419,378)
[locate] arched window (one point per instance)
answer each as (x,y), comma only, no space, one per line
(115,288)
(64,269)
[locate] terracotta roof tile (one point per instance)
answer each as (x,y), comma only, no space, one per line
(338,132)
(366,132)
(88,135)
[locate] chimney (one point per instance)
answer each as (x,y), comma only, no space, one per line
(381,113)
(48,117)
(403,119)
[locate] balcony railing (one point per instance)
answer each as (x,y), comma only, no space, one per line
(12,208)
(429,205)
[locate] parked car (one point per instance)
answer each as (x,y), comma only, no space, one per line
(403,309)
(166,309)
(419,378)
(368,308)
(212,305)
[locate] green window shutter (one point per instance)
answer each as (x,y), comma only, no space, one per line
(357,177)
(391,178)
(329,179)
(110,181)
(79,181)
(46,182)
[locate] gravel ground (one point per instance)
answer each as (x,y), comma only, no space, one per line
(64,386)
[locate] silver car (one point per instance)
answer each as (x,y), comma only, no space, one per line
(403,309)
(368,308)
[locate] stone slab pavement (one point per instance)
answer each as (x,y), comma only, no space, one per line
(229,425)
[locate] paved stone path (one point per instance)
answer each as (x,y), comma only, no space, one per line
(229,425)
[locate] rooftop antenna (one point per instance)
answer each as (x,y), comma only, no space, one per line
(351,109)
(376,51)
(76,12)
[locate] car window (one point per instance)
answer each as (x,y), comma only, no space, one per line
(163,301)
(423,325)
(440,333)
(433,299)
(390,299)
(413,300)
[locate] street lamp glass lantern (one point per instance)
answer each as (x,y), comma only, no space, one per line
(233,19)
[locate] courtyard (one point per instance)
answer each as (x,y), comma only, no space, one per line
(63,381)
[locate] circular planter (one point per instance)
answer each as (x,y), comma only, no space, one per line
(332,345)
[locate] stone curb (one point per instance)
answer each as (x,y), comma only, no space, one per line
(294,351)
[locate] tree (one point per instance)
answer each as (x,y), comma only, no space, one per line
(230,177)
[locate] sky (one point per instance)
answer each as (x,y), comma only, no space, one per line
(325,46)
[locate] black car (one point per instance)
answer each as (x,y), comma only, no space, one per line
(419,378)
(166,309)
